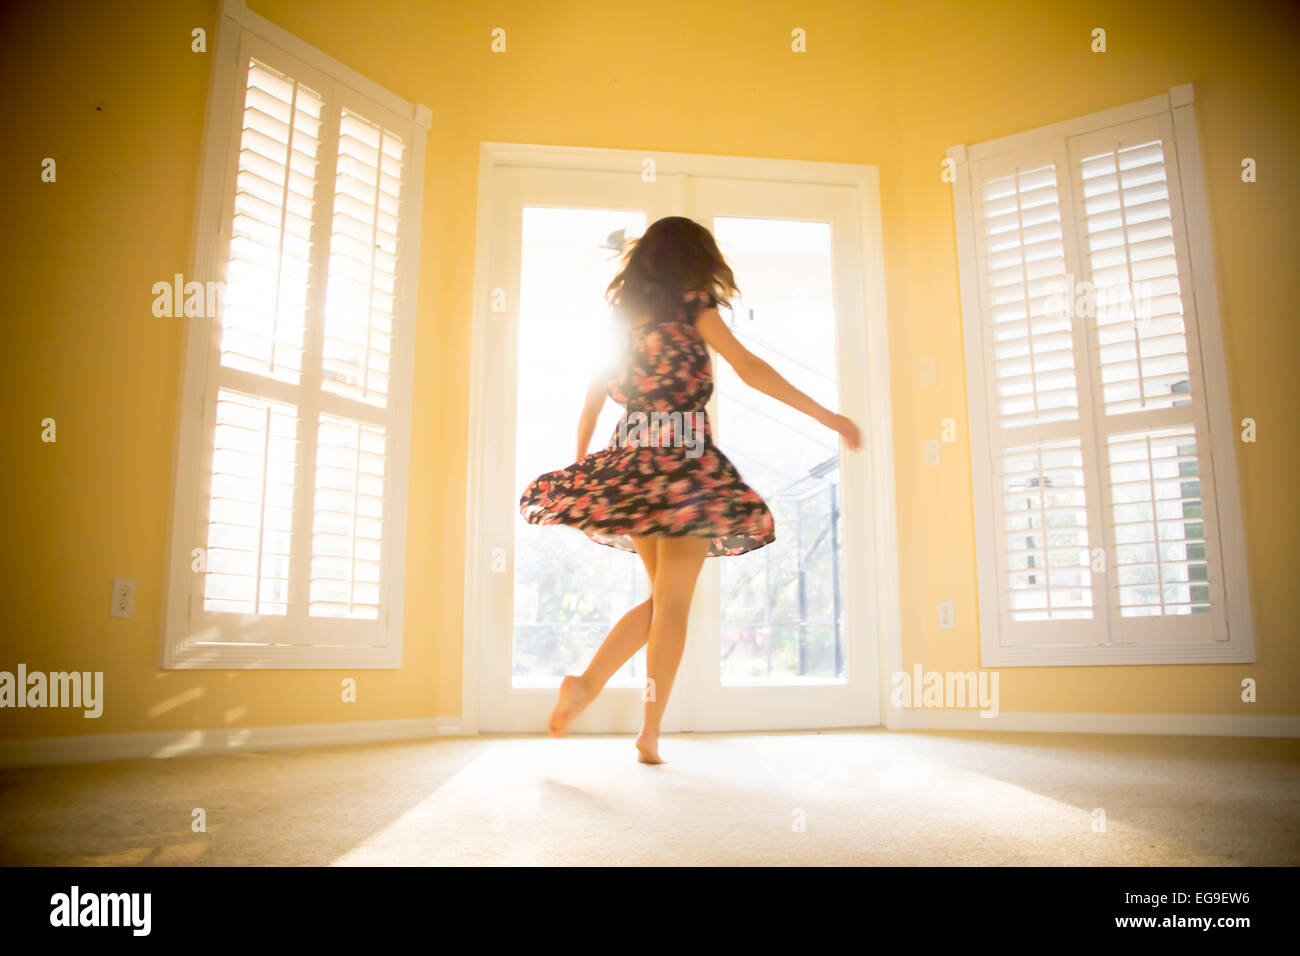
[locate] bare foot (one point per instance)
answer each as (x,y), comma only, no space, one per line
(647,749)
(572,701)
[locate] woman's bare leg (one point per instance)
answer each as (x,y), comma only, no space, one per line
(624,639)
(677,569)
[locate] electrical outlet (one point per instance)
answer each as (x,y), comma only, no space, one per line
(947,616)
(123,597)
(932,451)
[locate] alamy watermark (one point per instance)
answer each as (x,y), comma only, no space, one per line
(663,430)
(57,689)
(76,908)
(1066,297)
(945,690)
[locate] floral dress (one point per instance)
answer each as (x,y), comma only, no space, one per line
(660,474)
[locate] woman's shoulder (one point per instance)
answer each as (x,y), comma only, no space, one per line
(696,301)
(700,299)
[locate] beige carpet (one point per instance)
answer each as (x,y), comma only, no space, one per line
(847,797)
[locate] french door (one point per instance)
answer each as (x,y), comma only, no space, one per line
(779,638)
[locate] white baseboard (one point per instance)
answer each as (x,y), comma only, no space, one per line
(89,748)
(1208,725)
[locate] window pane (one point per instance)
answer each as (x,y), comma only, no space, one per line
(361,295)
(347,530)
(250,508)
(782,607)
(568,590)
(1141,336)
(268,276)
(1045,532)
(1159,523)
(1026,299)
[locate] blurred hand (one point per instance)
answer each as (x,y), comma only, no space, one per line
(847,430)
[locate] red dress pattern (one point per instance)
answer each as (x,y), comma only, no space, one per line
(661,473)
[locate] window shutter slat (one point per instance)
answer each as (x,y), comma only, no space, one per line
(267,277)
(1045,530)
(1158,523)
(1129,234)
(362,281)
(250,505)
(348,521)
(1032,352)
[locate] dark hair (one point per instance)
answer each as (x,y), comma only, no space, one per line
(674,256)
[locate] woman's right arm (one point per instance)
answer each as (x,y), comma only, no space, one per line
(591,406)
(756,373)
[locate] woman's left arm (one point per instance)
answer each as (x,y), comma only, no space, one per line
(756,373)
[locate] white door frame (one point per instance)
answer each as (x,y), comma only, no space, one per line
(878,447)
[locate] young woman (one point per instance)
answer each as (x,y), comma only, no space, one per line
(661,487)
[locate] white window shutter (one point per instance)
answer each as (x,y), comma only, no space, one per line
(1022,242)
(301,392)
(268,272)
(250,505)
(1038,443)
(1157,517)
(362,289)
(348,519)
(1165,582)
(1098,522)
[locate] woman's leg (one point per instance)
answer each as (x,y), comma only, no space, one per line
(624,639)
(630,633)
(677,569)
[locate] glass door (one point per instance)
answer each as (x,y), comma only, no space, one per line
(779,637)
(557,243)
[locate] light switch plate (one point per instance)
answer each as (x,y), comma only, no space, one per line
(947,616)
(123,597)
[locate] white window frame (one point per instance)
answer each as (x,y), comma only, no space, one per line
(1187,183)
(318,642)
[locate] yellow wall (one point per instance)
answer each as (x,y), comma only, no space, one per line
(969,74)
(116,97)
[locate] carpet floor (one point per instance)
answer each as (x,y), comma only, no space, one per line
(868,797)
